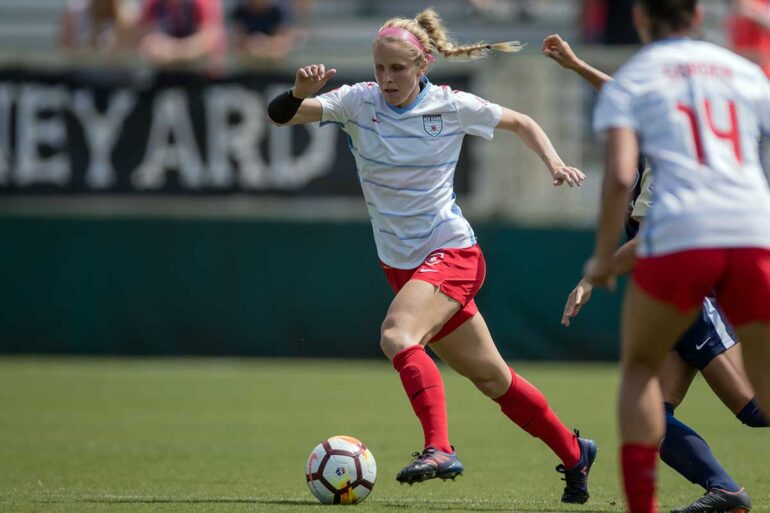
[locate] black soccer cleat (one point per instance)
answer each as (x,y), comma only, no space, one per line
(719,501)
(429,464)
(576,489)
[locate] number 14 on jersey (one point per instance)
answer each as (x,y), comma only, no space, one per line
(730,135)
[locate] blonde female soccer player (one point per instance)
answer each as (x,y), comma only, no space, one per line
(696,111)
(405,134)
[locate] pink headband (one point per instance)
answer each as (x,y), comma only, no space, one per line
(407,36)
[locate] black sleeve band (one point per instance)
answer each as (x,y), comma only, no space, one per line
(283,107)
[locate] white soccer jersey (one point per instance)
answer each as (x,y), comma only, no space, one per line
(406,160)
(699,111)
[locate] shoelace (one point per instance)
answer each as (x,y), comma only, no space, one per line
(571,478)
(426,455)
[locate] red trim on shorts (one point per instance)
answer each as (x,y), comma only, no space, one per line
(740,278)
(457,272)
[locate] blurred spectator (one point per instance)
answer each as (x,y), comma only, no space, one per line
(619,24)
(593,19)
(303,7)
(263,29)
(95,24)
(182,31)
(609,22)
(749,30)
(504,9)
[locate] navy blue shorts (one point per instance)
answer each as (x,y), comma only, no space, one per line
(710,336)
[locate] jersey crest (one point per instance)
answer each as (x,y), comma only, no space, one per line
(433,124)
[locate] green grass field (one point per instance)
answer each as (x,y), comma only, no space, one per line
(85,435)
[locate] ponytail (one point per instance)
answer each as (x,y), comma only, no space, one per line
(434,39)
(440,39)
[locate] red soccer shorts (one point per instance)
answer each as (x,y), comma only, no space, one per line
(740,278)
(457,272)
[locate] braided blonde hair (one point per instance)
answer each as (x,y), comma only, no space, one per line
(429,29)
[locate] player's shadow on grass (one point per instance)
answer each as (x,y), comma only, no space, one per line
(507,508)
(178,500)
(437,505)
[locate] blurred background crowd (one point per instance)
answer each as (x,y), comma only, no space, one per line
(167,32)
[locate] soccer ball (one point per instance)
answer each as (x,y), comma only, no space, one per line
(341,470)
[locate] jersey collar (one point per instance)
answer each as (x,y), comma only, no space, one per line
(401,110)
(672,39)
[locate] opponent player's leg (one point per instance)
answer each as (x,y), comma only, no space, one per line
(718,356)
(749,414)
(676,376)
(755,337)
(726,376)
(728,382)
(745,298)
(418,311)
(471,351)
(682,448)
(650,328)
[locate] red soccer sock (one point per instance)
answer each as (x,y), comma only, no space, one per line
(638,464)
(425,389)
(527,407)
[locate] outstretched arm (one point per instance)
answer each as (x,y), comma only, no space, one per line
(535,138)
(554,47)
(295,107)
(622,262)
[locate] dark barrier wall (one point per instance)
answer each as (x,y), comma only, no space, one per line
(229,287)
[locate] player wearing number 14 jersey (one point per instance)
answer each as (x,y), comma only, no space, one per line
(698,109)
(697,112)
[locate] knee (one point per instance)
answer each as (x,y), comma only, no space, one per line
(492,384)
(491,387)
(394,338)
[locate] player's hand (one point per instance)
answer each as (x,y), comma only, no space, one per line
(572,176)
(577,298)
(554,47)
(598,272)
(311,79)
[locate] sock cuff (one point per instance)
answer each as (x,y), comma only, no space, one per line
(751,415)
(402,357)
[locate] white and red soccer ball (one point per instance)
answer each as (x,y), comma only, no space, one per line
(341,470)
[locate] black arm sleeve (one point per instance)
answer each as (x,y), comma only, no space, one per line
(283,107)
